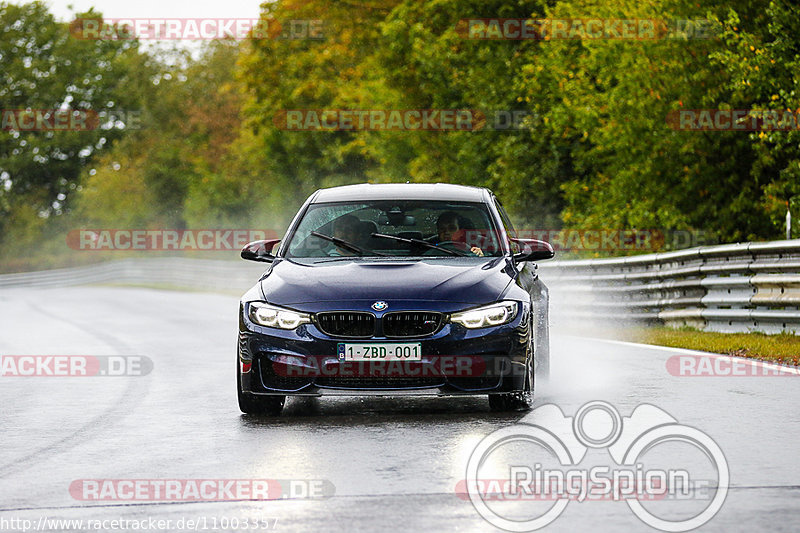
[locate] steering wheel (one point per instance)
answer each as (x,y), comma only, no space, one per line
(455,245)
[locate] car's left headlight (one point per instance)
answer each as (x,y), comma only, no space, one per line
(272,316)
(490,315)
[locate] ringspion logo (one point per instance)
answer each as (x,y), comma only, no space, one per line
(546,464)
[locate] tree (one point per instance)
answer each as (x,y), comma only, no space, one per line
(301,74)
(762,57)
(46,68)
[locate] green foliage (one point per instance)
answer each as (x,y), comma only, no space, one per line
(332,73)
(171,173)
(608,100)
(45,68)
(595,150)
(428,64)
(762,60)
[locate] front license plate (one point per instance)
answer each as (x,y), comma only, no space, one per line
(383,351)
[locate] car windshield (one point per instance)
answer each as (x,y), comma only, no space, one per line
(406,228)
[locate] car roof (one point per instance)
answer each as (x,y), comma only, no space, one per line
(401,191)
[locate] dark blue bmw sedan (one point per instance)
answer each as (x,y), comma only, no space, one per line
(395,289)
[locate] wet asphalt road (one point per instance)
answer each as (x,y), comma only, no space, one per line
(394,463)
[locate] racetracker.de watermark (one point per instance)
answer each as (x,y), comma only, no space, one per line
(583,29)
(594,239)
(438,366)
(194,490)
(80,366)
(165,239)
(692,474)
(734,119)
(244,522)
(165,29)
(709,365)
(66,119)
(404,120)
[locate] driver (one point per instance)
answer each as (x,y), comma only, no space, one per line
(447,226)
(347,228)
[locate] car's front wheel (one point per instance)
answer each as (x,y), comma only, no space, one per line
(516,401)
(251,404)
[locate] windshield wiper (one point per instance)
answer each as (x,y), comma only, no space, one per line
(366,258)
(419,242)
(345,244)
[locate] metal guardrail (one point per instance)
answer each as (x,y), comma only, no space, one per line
(735,287)
(732,288)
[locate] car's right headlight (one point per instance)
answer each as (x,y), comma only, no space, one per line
(272,316)
(490,315)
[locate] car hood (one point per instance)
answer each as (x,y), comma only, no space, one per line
(455,280)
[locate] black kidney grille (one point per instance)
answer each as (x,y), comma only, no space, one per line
(346,324)
(411,323)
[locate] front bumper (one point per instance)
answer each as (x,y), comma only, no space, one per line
(455,361)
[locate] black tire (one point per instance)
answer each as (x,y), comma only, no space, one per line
(250,404)
(516,401)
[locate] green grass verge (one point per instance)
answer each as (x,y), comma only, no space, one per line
(780,348)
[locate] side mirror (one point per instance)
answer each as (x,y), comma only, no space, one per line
(533,250)
(260,250)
